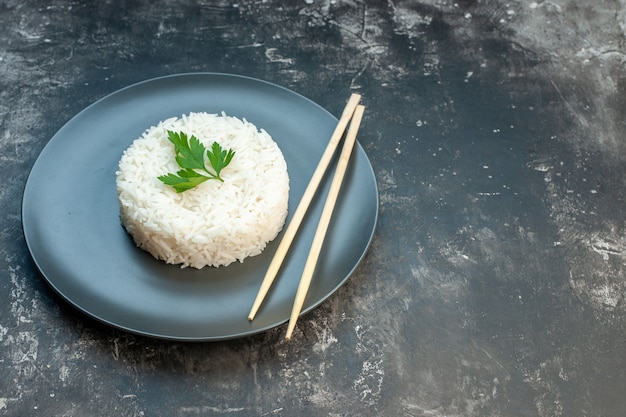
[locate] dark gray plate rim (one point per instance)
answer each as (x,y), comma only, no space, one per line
(72,230)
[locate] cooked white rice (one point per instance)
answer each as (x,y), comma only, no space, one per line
(215,223)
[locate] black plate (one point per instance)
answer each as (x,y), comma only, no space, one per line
(72,227)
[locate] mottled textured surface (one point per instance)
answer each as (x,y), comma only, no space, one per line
(496,282)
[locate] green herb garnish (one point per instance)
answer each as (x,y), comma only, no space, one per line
(190,157)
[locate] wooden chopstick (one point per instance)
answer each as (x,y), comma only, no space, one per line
(322,227)
(304,203)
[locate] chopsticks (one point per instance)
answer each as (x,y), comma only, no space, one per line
(322,227)
(348,113)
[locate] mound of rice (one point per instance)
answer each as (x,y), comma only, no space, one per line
(215,223)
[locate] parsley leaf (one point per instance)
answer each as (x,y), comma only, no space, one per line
(219,158)
(190,157)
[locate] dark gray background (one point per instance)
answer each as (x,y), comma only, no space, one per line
(495,283)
